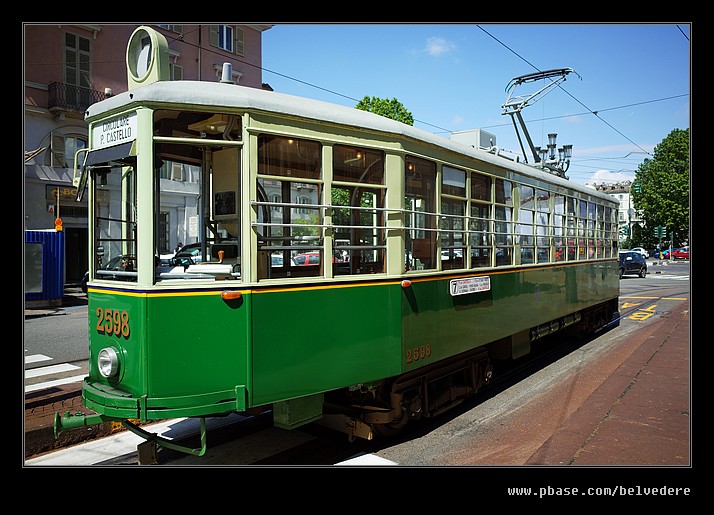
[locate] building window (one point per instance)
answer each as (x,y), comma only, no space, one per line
(175,72)
(77,70)
(178,29)
(63,149)
(228,38)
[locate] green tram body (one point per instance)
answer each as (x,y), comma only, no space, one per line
(240,358)
(306,347)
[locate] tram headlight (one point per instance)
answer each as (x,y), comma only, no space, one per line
(108,362)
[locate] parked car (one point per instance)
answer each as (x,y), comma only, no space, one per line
(307,259)
(641,251)
(190,252)
(276,260)
(666,252)
(682,253)
(632,263)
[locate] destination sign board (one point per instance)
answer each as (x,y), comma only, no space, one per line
(469,285)
(115,131)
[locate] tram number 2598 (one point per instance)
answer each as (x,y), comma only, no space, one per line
(112,322)
(417,353)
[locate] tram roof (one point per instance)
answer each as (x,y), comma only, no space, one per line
(217,94)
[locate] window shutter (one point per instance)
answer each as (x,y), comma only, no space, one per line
(239,43)
(57,154)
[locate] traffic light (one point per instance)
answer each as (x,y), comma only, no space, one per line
(58,224)
(660,231)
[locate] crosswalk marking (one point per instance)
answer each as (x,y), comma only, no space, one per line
(36,358)
(57,382)
(671,277)
(49,371)
(52,369)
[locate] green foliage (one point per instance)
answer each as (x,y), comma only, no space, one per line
(388,108)
(662,195)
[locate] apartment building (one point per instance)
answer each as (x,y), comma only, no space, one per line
(67,67)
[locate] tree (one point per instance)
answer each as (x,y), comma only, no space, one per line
(388,108)
(661,187)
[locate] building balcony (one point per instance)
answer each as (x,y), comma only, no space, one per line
(66,98)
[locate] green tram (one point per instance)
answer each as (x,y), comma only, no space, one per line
(350,268)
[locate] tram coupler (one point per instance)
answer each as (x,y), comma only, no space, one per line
(149,450)
(70,421)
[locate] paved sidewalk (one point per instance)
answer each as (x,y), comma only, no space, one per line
(640,414)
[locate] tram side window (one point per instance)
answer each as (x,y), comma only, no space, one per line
(453,213)
(290,207)
(526,218)
(582,234)
(591,229)
(358,197)
(611,232)
(420,214)
(503,219)
(600,232)
(559,227)
(542,225)
(115,223)
(571,228)
(480,220)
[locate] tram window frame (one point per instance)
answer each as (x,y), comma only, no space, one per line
(582,216)
(420,213)
(480,220)
(542,225)
(115,233)
(503,222)
(525,238)
(202,150)
(599,231)
(358,198)
(559,228)
(611,232)
(452,234)
(282,164)
(571,228)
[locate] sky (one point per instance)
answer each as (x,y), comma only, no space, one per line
(629,88)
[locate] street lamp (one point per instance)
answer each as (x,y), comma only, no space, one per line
(557,165)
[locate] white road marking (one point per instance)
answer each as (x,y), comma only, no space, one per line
(36,358)
(57,382)
(52,369)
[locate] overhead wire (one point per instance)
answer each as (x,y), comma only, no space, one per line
(596,113)
(589,111)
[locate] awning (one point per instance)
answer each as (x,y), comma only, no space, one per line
(103,155)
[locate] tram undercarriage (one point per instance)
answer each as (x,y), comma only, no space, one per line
(366,411)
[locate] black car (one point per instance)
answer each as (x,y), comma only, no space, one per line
(188,255)
(632,263)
